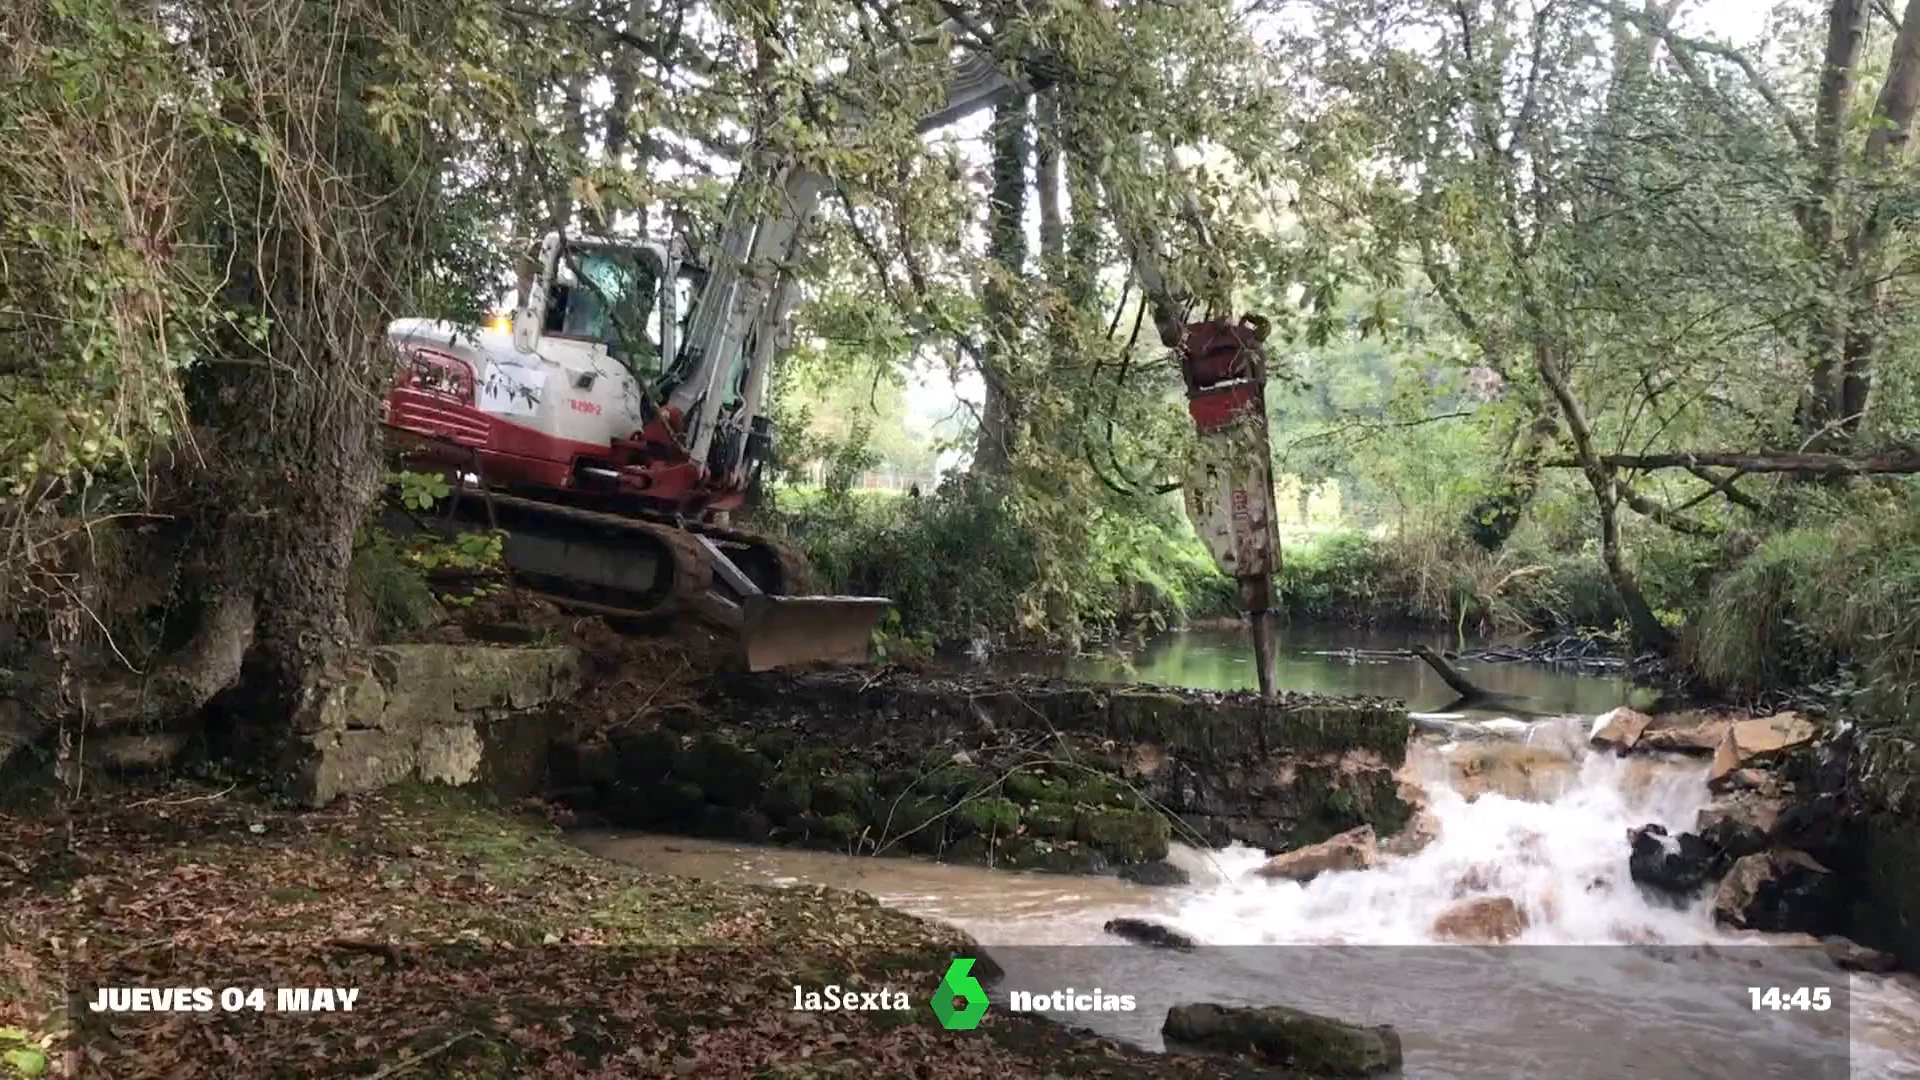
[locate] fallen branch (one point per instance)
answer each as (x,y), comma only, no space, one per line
(406,1063)
(183,802)
(1450,675)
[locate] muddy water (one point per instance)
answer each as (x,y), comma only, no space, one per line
(1603,982)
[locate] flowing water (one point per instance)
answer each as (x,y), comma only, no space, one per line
(1534,818)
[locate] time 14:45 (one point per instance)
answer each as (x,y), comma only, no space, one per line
(1802,999)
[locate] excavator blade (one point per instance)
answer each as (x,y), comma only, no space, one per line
(780,631)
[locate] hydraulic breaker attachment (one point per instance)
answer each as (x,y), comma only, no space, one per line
(1230,488)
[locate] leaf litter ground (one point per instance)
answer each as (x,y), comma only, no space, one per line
(482,945)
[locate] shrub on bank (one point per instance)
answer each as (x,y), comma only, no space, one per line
(963,562)
(1358,579)
(1838,596)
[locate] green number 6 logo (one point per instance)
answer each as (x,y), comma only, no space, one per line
(960,1002)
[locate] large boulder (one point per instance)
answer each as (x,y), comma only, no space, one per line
(1684,733)
(1850,955)
(1677,866)
(425,711)
(1486,920)
(1747,742)
(1780,891)
(1741,822)
(1354,849)
(142,752)
(1288,1038)
(1619,730)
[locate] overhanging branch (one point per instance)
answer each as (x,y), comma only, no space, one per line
(1903,460)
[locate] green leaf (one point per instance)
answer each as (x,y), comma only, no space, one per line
(26,1062)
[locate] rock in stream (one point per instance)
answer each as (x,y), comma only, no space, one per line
(1275,1035)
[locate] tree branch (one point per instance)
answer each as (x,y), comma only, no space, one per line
(1663,515)
(1683,49)
(1903,460)
(1724,486)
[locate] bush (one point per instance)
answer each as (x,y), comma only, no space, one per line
(386,592)
(968,561)
(1838,595)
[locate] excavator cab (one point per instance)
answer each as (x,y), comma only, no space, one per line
(612,295)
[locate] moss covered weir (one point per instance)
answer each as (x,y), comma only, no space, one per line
(1018,772)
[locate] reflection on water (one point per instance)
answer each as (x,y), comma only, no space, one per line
(1223,660)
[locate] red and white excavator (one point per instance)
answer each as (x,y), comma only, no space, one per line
(620,420)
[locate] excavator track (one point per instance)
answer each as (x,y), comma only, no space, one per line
(654,569)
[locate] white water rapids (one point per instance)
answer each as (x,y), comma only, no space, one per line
(1540,820)
(1550,834)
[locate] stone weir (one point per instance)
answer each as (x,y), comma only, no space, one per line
(1018,773)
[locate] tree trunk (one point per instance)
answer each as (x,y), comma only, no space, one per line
(325,240)
(1007,255)
(1493,517)
(1648,633)
(1821,411)
(1893,118)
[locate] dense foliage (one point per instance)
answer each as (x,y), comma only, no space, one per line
(1591,315)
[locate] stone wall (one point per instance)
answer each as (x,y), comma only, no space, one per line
(425,711)
(1022,772)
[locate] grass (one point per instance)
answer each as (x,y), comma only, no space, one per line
(1839,596)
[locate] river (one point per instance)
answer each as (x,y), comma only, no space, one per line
(1604,982)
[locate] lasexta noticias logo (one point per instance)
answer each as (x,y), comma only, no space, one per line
(960,1001)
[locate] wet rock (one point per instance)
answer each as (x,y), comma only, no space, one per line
(1685,733)
(1680,866)
(1354,849)
(1424,829)
(1289,1038)
(1620,729)
(1748,741)
(1148,932)
(1779,891)
(1759,780)
(1487,920)
(1027,853)
(1849,955)
(1155,873)
(137,753)
(1740,823)
(1127,836)
(1516,770)
(1443,724)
